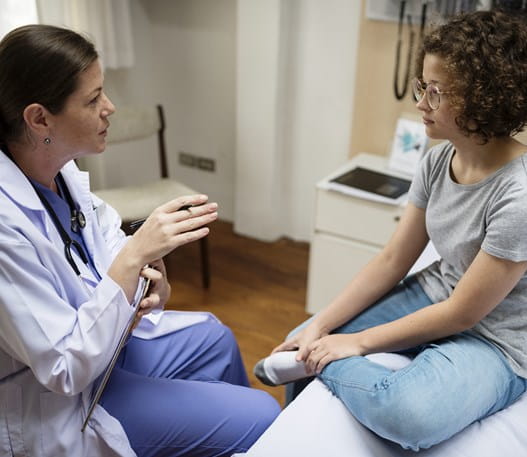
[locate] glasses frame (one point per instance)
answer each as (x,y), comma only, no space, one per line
(421,89)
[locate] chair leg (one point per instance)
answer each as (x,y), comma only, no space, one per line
(205,267)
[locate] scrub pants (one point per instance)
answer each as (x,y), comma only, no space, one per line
(449,384)
(187,394)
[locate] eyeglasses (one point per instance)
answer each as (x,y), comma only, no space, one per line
(433,94)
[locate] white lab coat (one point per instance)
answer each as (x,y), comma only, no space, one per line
(57,331)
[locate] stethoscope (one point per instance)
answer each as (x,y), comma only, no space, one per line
(77,219)
(401,92)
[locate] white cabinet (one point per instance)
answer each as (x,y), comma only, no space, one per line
(348,232)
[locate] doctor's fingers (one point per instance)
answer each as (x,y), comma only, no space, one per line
(162,218)
(155,241)
(183,232)
(151,273)
(177,210)
(183,238)
(182,202)
(169,224)
(157,265)
(193,222)
(153,301)
(195,211)
(145,308)
(158,280)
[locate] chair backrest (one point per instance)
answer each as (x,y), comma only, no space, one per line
(132,122)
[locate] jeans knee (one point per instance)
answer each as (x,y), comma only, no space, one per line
(406,424)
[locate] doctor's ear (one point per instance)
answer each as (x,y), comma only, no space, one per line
(37,119)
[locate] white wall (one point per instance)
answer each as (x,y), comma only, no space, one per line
(186,58)
(185,54)
(131,163)
(195,62)
(14,13)
(323,56)
(260,118)
(296,74)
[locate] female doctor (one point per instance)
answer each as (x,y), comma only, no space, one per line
(68,277)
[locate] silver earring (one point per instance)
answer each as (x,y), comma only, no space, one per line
(47,140)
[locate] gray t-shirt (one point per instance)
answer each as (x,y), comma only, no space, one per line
(462,219)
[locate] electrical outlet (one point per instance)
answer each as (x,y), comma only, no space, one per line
(206,164)
(188,160)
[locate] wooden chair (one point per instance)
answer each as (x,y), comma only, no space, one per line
(135,202)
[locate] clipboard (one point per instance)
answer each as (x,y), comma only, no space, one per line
(109,368)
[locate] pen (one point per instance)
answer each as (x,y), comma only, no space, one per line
(134,225)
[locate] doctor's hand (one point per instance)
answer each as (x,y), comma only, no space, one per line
(158,291)
(173,224)
(168,227)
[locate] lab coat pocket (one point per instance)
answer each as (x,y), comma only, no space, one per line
(58,417)
(11,438)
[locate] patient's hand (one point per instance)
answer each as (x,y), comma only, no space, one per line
(329,348)
(301,341)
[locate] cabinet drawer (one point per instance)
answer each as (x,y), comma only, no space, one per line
(333,262)
(355,218)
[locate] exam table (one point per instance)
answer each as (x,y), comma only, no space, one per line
(317,424)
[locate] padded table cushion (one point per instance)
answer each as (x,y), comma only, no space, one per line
(316,424)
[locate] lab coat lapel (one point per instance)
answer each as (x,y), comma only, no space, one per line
(17,186)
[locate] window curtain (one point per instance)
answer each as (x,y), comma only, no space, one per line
(106,22)
(14,13)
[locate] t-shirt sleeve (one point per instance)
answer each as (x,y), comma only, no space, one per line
(419,189)
(506,234)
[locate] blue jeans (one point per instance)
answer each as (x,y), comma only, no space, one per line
(186,393)
(449,384)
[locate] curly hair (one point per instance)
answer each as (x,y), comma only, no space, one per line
(485,56)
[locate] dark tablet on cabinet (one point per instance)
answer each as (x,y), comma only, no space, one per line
(374,182)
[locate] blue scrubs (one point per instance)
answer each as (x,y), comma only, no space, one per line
(185,393)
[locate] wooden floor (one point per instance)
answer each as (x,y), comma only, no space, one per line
(258,289)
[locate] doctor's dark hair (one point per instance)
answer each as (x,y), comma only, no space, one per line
(38,64)
(485,56)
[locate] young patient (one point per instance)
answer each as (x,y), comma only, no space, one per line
(462,320)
